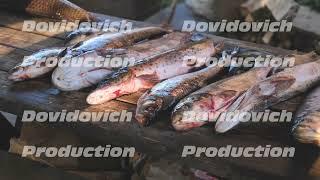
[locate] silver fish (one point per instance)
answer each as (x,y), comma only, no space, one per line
(35,65)
(114,40)
(277,88)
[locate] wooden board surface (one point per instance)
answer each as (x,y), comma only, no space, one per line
(158,140)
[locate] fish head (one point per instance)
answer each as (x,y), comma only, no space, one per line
(308,131)
(187,114)
(199,109)
(147,109)
(18,74)
(23,72)
(36,64)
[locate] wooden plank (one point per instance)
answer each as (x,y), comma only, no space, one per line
(26,41)
(13,167)
(10,57)
(15,21)
(33,134)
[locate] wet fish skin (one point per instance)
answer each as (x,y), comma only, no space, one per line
(34,65)
(76,78)
(57,9)
(168,92)
(209,102)
(80,35)
(298,58)
(277,88)
(306,125)
(145,75)
(242,53)
(114,40)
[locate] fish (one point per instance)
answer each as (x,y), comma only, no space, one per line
(72,78)
(295,57)
(242,53)
(275,89)
(165,94)
(145,75)
(35,65)
(81,35)
(306,124)
(114,40)
(206,104)
(68,78)
(56,9)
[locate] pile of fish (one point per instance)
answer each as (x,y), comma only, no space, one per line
(170,82)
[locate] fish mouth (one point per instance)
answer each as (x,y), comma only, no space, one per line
(100,96)
(308,131)
(187,126)
(147,111)
(17,78)
(141,118)
(186,120)
(16,74)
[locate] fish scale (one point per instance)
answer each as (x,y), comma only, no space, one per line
(151,72)
(57,9)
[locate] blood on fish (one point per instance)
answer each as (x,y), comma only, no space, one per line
(117,93)
(210,105)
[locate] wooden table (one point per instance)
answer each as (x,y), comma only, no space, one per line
(159,140)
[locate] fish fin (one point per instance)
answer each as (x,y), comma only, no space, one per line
(268,89)
(113,52)
(218,47)
(246,102)
(149,78)
(304,58)
(273,86)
